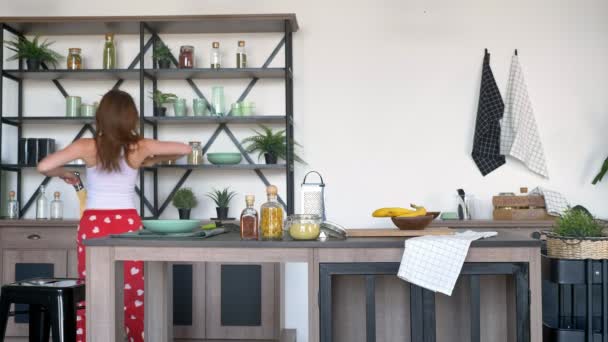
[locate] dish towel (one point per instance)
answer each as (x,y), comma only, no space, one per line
(486,143)
(555,202)
(519,136)
(434,262)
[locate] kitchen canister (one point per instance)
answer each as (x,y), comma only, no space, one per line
(72,106)
(87,110)
(199,107)
(45,147)
(179,107)
(312,197)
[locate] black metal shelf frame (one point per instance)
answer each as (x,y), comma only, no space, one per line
(154,75)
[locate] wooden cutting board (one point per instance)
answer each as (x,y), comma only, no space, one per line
(397,232)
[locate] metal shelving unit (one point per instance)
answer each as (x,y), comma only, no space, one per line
(154,26)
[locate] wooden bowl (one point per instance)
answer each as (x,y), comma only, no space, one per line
(413,223)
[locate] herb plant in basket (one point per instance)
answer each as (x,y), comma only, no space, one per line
(577,235)
(33,52)
(270,144)
(184,200)
(161,99)
(222,200)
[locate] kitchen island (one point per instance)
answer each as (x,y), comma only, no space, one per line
(497,308)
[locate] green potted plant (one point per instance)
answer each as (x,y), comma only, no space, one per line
(577,235)
(184,200)
(222,200)
(33,52)
(270,144)
(160,99)
(162,56)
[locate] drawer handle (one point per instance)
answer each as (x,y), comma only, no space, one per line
(33,237)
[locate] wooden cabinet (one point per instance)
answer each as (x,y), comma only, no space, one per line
(210,300)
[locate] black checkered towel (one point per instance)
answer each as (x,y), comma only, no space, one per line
(486,144)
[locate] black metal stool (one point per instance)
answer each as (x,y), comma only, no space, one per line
(53,304)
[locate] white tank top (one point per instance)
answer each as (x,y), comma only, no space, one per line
(111,189)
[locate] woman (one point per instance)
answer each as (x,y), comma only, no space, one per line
(113,158)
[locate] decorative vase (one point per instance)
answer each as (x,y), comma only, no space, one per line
(199,107)
(33,64)
(179,107)
(164,64)
(184,213)
(217,100)
(72,106)
(270,158)
(160,111)
(222,212)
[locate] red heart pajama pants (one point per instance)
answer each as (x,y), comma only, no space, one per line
(101,223)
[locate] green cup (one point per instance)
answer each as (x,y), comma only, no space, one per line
(199,107)
(236,109)
(72,106)
(179,107)
(87,110)
(247,108)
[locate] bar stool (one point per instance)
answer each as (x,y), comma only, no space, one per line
(52,306)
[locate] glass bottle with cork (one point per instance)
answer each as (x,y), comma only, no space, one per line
(216,56)
(57,207)
(241,55)
(12,210)
(271,224)
(74,60)
(249,220)
(109,52)
(42,205)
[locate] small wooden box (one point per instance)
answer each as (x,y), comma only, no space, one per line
(520,208)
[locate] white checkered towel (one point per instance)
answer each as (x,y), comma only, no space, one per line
(519,135)
(555,202)
(434,262)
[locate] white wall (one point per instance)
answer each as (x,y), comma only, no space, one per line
(386,93)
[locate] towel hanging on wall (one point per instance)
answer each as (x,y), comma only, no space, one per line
(486,143)
(519,133)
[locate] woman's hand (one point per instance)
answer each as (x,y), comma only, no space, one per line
(69,177)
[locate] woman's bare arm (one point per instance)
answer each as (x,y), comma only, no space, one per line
(52,165)
(155,148)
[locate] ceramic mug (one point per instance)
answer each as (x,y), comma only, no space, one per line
(87,110)
(179,107)
(247,108)
(199,107)
(72,106)
(236,109)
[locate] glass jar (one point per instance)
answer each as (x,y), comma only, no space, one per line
(271,224)
(218,100)
(241,55)
(109,52)
(249,220)
(12,210)
(74,59)
(196,156)
(42,205)
(216,56)
(56,207)
(303,226)
(186,57)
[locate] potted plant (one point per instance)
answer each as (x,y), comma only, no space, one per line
(160,99)
(184,200)
(577,235)
(222,200)
(270,144)
(33,52)
(162,56)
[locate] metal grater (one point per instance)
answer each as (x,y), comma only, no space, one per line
(313,197)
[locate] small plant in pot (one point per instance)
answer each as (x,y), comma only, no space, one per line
(270,144)
(184,200)
(33,52)
(577,235)
(222,200)
(162,56)
(161,99)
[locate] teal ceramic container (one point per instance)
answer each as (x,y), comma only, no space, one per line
(236,109)
(87,110)
(171,226)
(179,107)
(72,106)
(247,108)
(199,107)
(218,101)
(224,158)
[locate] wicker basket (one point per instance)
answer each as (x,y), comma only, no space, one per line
(576,248)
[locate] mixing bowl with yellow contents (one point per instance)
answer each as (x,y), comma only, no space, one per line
(303,227)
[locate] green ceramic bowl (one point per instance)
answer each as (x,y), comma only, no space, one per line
(171,226)
(224,158)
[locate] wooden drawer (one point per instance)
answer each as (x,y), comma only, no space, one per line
(38,238)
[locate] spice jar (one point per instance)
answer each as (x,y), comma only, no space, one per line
(303,226)
(74,59)
(196,156)
(186,57)
(271,224)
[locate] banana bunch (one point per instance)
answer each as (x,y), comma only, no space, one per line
(400,212)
